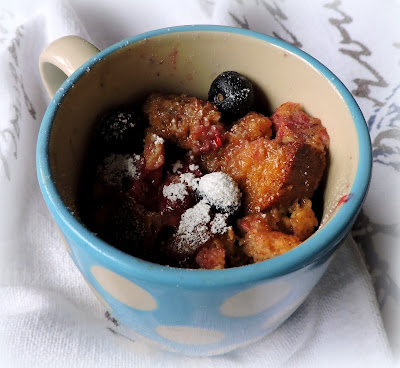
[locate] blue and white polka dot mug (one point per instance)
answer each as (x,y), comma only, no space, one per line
(195,312)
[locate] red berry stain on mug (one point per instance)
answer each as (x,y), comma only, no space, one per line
(344,199)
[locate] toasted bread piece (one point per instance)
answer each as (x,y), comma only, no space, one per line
(292,124)
(250,127)
(271,173)
(190,123)
(261,242)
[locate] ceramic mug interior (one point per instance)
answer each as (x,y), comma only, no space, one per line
(186,60)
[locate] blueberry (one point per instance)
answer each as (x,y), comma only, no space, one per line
(220,191)
(232,93)
(120,131)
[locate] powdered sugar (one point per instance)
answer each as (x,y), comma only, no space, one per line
(178,191)
(176,166)
(175,192)
(220,191)
(190,179)
(219,223)
(197,224)
(116,167)
(193,228)
(197,227)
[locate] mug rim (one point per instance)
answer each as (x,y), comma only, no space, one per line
(320,243)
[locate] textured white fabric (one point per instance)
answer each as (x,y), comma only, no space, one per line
(48,315)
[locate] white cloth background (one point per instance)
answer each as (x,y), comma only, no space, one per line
(48,316)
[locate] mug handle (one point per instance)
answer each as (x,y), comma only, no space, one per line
(61,58)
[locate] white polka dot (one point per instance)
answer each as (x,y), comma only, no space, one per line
(124,290)
(282,315)
(99,297)
(150,343)
(190,335)
(255,300)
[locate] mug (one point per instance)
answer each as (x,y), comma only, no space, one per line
(195,312)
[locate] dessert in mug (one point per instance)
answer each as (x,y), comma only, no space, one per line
(204,184)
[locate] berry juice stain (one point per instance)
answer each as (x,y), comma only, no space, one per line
(344,199)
